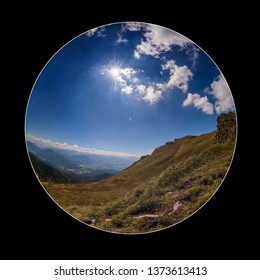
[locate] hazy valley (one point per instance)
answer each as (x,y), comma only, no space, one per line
(75,166)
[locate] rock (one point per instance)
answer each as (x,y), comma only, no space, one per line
(176,206)
(90,221)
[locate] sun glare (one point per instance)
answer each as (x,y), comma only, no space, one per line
(114,72)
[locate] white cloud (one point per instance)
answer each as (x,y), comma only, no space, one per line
(120,39)
(199,102)
(179,76)
(136,80)
(137,55)
(141,89)
(127,89)
(99,31)
(131,84)
(152,95)
(193,53)
(221,92)
(125,77)
(121,81)
(131,81)
(48,143)
(159,40)
(127,72)
(91,32)
(133,26)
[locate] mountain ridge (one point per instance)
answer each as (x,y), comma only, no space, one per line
(158,190)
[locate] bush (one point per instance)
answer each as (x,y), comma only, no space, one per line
(144,224)
(218,175)
(166,221)
(192,193)
(145,206)
(119,220)
(206,181)
(168,177)
(226,127)
(138,193)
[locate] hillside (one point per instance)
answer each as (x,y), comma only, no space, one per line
(157,191)
(47,173)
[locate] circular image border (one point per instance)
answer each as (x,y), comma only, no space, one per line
(126,186)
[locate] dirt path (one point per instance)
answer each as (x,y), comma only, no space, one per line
(151,216)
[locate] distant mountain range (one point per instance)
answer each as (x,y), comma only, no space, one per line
(158,190)
(47,173)
(78,167)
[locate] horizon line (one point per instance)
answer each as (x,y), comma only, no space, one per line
(64,146)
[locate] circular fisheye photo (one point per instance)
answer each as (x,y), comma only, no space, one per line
(130,128)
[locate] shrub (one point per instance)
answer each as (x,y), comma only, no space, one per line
(138,193)
(218,175)
(226,127)
(206,181)
(192,193)
(119,220)
(145,205)
(168,177)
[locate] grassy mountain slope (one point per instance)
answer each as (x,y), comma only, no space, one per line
(157,191)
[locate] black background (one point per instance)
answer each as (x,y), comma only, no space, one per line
(34,227)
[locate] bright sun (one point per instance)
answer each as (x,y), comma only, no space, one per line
(114,71)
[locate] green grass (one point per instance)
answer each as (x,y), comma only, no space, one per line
(157,191)
(187,171)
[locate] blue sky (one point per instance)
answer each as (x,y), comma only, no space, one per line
(127,87)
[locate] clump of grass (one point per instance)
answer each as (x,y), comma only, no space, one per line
(193,193)
(206,181)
